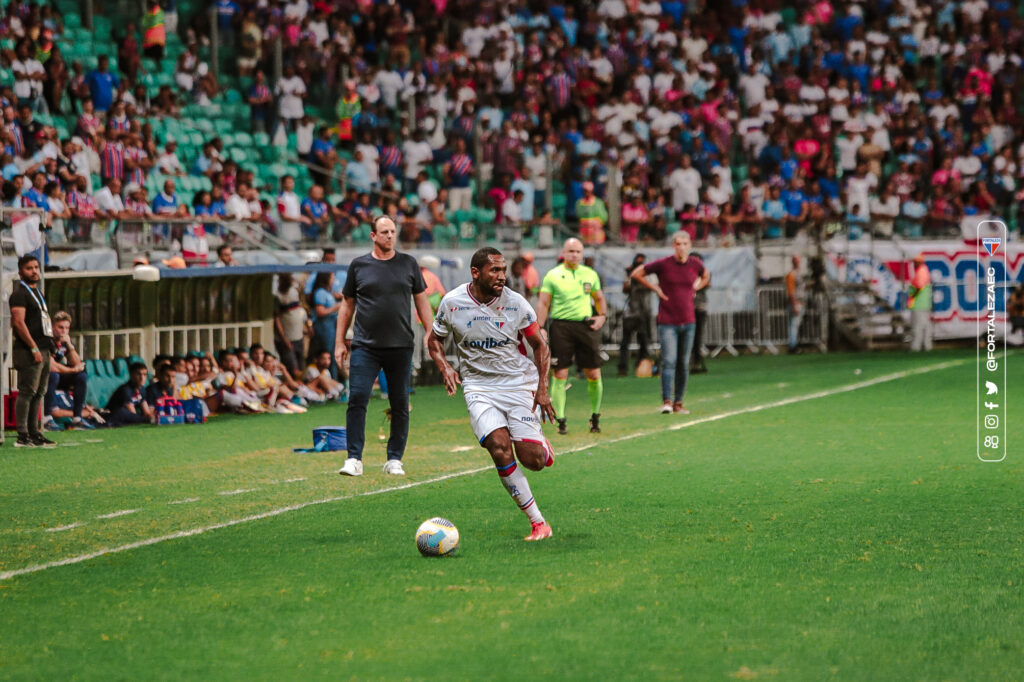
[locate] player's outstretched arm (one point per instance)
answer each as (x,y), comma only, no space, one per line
(542,359)
(435,347)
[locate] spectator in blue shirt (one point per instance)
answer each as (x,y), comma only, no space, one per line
(795,202)
(102,85)
(226,12)
(356,174)
(315,208)
(35,195)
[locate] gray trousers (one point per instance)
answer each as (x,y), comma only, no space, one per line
(920,330)
(33,378)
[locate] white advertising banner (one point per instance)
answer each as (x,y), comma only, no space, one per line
(959,271)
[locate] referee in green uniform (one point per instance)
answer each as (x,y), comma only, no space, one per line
(570,293)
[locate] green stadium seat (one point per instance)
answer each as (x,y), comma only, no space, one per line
(361,234)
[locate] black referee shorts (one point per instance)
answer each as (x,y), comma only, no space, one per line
(574,340)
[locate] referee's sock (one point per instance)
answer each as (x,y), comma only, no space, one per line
(595,389)
(558,396)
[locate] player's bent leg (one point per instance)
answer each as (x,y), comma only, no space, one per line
(499,444)
(533,455)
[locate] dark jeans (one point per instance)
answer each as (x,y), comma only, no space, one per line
(697,357)
(364,365)
(630,326)
(76,383)
(32,381)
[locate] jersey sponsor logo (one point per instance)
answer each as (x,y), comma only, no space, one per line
(488,343)
(586,287)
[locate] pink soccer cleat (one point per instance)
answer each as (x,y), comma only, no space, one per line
(538,531)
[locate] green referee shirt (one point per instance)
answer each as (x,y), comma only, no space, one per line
(570,291)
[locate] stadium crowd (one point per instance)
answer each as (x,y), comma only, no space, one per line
(894,116)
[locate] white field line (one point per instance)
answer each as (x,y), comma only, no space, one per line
(6,575)
(114,515)
(294,480)
(58,529)
(187,500)
(240,491)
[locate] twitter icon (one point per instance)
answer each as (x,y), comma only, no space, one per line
(991,388)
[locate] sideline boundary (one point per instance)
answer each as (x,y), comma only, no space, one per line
(885,378)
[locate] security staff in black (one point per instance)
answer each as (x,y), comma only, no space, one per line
(33,344)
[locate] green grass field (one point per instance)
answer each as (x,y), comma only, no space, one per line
(849,535)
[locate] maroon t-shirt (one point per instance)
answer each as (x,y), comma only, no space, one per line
(676,280)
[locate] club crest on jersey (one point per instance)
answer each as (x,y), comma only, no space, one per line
(499,321)
(586,287)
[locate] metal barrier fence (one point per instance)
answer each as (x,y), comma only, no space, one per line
(766,327)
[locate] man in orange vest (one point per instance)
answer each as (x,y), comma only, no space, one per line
(154,35)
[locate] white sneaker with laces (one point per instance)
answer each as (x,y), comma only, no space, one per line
(666,408)
(352,467)
(394,467)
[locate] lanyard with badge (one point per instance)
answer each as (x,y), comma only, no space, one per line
(37,296)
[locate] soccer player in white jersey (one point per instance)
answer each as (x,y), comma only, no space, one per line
(506,393)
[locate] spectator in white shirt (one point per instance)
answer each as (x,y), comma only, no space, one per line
(685,183)
(885,208)
(289,209)
(290,91)
(416,154)
(168,163)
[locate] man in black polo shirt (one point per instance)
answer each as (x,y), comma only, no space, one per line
(33,343)
(378,289)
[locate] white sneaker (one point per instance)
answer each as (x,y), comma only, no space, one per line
(394,467)
(352,467)
(666,408)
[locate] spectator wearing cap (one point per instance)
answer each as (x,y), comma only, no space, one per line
(919,301)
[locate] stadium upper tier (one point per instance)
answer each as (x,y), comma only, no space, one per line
(631,119)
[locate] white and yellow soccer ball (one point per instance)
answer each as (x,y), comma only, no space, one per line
(437,537)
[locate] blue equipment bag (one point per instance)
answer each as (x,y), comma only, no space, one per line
(327,439)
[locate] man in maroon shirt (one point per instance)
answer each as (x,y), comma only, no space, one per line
(680,276)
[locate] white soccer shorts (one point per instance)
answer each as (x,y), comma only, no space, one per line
(489,412)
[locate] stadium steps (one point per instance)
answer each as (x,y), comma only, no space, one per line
(863,319)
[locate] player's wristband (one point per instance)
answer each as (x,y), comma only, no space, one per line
(35,350)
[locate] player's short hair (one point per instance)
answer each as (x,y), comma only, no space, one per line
(61,316)
(482,256)
(136,366)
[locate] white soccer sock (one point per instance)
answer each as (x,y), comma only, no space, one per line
(517,486)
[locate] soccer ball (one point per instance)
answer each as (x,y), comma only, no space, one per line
(437,537)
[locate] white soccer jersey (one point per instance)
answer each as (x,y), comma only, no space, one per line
(487,338)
